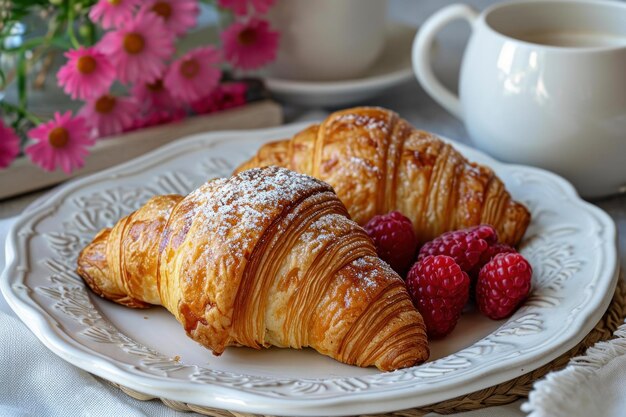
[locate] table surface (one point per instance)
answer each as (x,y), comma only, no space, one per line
(412,103)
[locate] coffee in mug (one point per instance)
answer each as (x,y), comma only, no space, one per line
(572,39)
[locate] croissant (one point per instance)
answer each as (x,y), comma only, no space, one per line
(266,257)
(377,162)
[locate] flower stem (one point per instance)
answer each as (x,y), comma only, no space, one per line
(92,33)
(70,24)
(21,79)
(20,112)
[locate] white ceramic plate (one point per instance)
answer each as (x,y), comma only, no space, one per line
(393,67)
(570,244)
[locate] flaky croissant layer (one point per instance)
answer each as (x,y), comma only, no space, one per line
(377,162)
(266,257)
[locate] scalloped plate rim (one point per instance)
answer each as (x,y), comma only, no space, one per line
(46,329)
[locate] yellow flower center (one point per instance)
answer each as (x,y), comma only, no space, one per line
(163,9)
(86,64)
(247,37)
(190,68)
(58,137)
(115,2)
(155,86)
(133,43)
(105,104)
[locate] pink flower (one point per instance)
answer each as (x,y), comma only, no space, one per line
(9,145)
(62,142)
(250,45)
(154,96)
(138,50)
(225,96)
(113,13)
(194,75)
(88,73)
(109,115)
(158,117)
(178,15)
(240,7)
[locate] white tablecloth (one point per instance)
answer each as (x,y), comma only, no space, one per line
(593,384)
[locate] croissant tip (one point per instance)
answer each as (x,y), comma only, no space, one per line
(83,271)
(416,356)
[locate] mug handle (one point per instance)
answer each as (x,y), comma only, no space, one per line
(422,46)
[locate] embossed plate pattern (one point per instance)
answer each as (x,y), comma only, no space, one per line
(571,245)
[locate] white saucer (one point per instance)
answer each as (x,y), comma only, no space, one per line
(393,67)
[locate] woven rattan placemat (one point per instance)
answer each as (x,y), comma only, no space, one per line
(501,394)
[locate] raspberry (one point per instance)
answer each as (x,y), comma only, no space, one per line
(487,255)
(465,246)
(503,283)
(394,239)
(439,290)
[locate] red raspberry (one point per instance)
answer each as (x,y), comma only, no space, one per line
(503,284)
(439,290)
(394,239)
(488,255)
(465,246)
(485,232)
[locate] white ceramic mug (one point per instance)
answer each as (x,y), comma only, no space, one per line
(543,82)
(327,39)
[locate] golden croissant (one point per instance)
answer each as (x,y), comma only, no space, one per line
(377,162)
(266,257)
